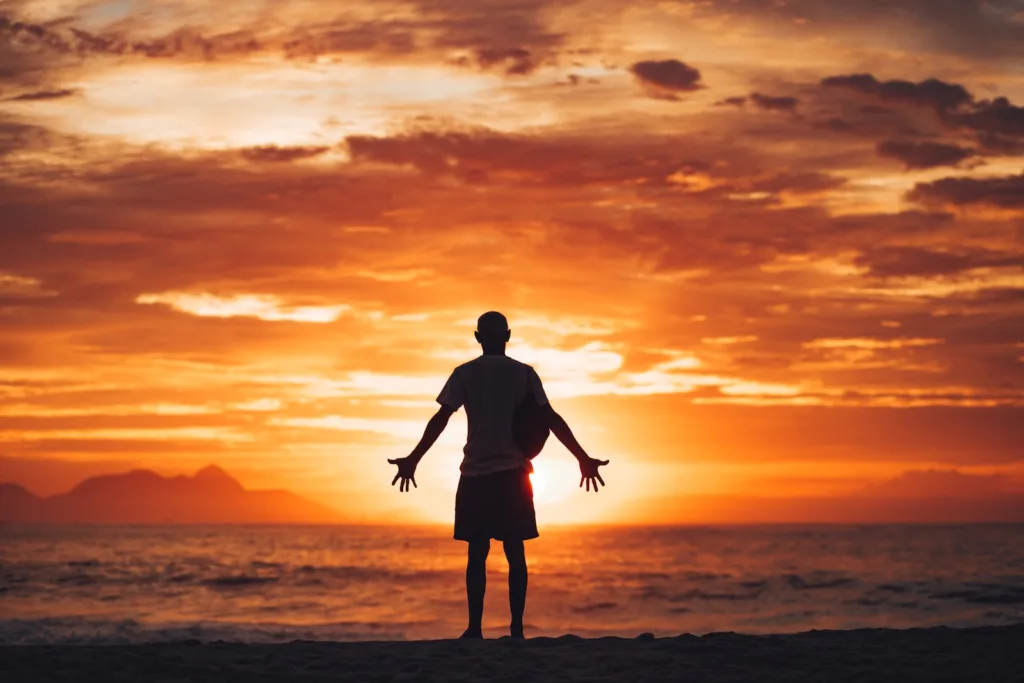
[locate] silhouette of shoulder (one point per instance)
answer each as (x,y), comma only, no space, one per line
(476,383)
(491,359)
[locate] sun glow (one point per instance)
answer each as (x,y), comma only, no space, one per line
(553,480)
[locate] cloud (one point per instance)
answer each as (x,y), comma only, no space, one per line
(16,136)
(262,306)
(492,33)
(920,155)
(161,433)
(769,103)
(397,429)
(516,61)
(867,343)
(21,287)
(184,42)
(902,261)
(65,39)
(967,29)
(868,354)
(482,156)
(29,410)
(804,182)
(666,79)
(731,102)
(40,95)
(485,157)
(1005,192)
(998,116)
(998,124)
(931,93)
(760,389)
(761,101)
(273,153)
(728,341)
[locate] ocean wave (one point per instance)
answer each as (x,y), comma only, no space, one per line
(86,631)
(800,583)
(595,607)
(260,564)
(895,588)
(984,594)
(78,579)
(697,594)
(83,563)
(239,581)
(667,595)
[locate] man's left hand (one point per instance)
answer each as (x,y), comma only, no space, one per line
(589,473)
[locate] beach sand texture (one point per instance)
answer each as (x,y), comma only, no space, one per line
(989,654)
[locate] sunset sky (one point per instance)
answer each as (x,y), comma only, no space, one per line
(754,248)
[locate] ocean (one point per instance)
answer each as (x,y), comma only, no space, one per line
(109,584)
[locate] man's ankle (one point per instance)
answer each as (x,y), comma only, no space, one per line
(516,630)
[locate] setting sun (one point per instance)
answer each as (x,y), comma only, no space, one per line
(553,481)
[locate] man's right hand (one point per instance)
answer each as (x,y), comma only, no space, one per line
(406,472)
(589,473)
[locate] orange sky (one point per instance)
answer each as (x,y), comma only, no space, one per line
(753,248)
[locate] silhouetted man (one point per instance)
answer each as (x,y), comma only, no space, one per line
(495,497)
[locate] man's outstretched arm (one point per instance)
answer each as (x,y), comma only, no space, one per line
(435,426)
(407,465)
(588,466)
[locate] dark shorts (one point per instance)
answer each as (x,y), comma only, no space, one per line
(498,506)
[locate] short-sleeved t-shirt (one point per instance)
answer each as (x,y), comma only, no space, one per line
(491,387)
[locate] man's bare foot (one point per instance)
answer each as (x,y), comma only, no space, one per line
(516,631)
(472,634)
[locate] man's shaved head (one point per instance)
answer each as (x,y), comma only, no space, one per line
(492,332)
(492,324)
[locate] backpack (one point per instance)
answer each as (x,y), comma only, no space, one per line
(530,427)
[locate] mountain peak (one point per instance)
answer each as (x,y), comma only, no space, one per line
(104,484)
(212,475)
(9,488)
(212,472)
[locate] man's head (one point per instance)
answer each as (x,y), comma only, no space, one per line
(492,329)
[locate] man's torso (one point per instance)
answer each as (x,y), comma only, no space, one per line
(491,387)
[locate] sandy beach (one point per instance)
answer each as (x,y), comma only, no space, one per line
(937,654)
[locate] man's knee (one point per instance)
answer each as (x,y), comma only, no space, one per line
(478,550)
(515,552)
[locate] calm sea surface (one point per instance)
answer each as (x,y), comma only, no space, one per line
(82,584)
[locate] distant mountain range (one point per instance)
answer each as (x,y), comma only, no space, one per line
(211,495)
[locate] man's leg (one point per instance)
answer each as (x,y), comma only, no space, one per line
(517,579)
(476,585)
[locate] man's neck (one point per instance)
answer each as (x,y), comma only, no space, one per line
(494,350)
